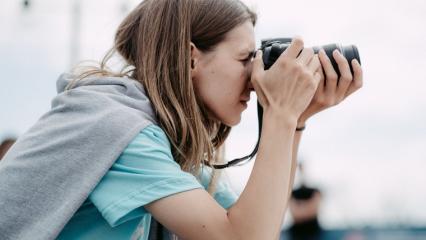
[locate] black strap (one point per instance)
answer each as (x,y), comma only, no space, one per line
(246,159)
(155,230)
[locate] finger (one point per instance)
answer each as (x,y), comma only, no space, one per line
(256,75)
(257,65)
(345,75)
(342,63)
(260,94)
(294,48)
(321,85)
(305,56)
(317,79)
(314,64)
(330,74)
(358,78)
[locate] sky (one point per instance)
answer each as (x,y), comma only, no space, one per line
(367,155)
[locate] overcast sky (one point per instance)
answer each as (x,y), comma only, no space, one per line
(367,154)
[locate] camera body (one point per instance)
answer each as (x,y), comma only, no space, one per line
(273,47)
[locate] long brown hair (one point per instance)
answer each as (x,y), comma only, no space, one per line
(154,40)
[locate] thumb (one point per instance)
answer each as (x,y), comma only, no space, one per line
(258,63)
(256,76)
(258,67)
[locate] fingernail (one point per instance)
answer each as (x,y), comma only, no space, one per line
(355,61)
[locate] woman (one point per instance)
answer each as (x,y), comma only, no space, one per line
(118,148)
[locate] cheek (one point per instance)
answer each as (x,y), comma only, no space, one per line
(220,87)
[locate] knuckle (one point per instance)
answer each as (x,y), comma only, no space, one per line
(332,77)
(346,78)
(283,62)
(298,68)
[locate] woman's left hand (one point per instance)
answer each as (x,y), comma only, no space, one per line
(333,90)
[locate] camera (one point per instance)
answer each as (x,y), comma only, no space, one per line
(273,47)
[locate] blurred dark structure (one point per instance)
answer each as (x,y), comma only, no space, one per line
(26,4)
(304,206)
(5,145)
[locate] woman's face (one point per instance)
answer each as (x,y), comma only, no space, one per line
(222,77)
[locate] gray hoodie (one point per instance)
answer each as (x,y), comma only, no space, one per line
(53,167)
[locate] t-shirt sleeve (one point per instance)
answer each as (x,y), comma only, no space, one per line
(144,172)
(223,194)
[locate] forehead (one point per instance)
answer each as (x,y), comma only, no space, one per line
(241,38)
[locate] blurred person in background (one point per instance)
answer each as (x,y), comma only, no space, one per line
(304,208)
(127,155)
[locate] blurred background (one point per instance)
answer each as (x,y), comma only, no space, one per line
(367,155)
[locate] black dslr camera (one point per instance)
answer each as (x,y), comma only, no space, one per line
(272,49)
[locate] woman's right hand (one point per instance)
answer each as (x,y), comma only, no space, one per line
(289,85)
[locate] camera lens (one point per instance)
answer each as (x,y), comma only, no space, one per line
(273,48)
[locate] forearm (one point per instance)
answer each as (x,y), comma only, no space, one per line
(259,211)
(296,141)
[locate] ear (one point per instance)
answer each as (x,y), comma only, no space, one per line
(195,58)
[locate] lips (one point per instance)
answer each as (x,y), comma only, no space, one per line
(244,103)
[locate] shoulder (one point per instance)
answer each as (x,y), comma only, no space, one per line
(150,149)
(151,136)
(151,139)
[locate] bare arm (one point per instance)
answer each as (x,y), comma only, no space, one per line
(296,142)
(266,194)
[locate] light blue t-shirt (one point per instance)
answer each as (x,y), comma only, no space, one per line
(144,172)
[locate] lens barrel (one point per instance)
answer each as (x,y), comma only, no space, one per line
(272,49)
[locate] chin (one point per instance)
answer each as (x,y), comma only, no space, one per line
(232,122)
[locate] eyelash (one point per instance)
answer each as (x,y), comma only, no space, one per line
(250,57)
(246,59)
